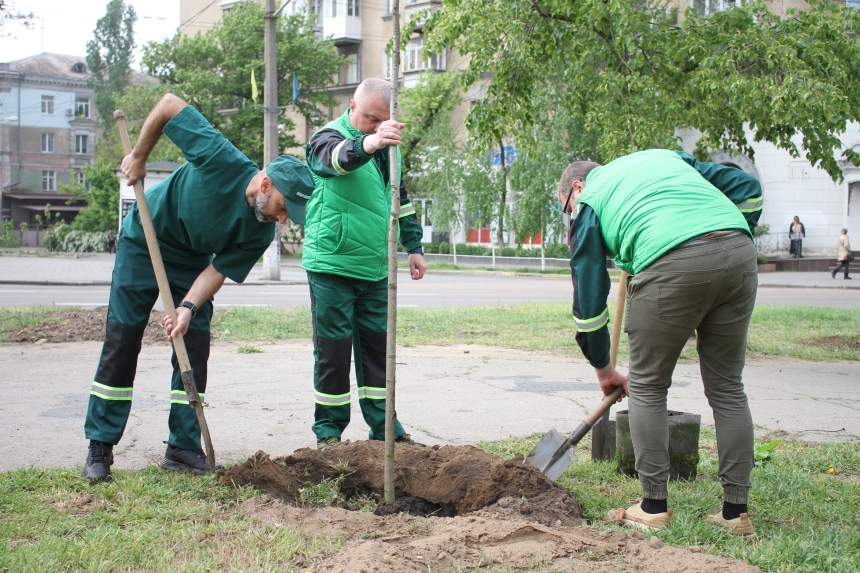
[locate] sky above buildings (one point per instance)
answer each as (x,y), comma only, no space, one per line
(65,26)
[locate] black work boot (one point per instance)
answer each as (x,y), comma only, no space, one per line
(99,460)
(407,439)
(179,460)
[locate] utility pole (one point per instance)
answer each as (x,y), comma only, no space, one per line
(272,256)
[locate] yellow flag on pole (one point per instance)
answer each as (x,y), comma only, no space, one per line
(254,92)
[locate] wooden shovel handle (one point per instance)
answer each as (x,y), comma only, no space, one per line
(619,318)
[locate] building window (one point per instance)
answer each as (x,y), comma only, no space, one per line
(82,107)
(81,144)
(414,60)
(707,7)
(47,105)
(352,8)
(79,68)
(316,7)
(49,180)
(349,74)
(80,179)
(334,8)
(47,143)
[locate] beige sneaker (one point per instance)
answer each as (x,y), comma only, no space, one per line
(636,517)
(739,526)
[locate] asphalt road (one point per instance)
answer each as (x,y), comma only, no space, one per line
(434,291)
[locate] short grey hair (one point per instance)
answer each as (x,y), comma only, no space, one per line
(373,88)
(576,171)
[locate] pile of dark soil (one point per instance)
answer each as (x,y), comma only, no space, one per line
(444,482)
(82,326)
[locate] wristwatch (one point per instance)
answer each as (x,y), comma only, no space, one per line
(190,306)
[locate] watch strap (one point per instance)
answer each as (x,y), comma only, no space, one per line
(190,306)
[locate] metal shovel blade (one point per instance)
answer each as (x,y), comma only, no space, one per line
(541,456)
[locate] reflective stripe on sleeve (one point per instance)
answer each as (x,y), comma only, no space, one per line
(334,162)
(180,397)
(371,393)
(331,399)
(406,209)
(592,324)
(110,392)
(750,205)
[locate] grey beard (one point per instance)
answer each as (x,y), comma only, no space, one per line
(260,203)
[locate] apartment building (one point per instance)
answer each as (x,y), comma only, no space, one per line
(47,134)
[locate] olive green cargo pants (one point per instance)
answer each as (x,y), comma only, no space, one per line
(709,288)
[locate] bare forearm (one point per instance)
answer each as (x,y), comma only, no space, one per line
(205,286)
(165,110)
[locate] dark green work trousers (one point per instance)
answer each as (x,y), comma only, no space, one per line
(709,288)
(133,293)
(349,316)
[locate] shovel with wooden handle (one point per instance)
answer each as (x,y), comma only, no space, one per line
(186,373)
(553,454)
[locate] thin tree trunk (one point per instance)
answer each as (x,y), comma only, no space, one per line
(501,228)
(391,345)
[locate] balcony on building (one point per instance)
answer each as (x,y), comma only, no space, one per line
(420,9)
(342,21)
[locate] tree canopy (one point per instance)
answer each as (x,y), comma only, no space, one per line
(109,57)
(633,72)
(212,71)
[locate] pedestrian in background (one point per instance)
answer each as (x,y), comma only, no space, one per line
(111,241)
(843,254)
(796,232)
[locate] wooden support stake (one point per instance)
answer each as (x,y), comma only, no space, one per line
(393,226)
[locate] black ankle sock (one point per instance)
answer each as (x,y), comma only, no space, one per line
(733,510)
(653,505)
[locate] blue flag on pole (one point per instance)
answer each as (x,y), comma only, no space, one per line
(295,88)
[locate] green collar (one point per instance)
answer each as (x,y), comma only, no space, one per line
(344,123)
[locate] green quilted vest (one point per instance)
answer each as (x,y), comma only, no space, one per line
(347,220)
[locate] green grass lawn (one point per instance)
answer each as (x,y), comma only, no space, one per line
(809,333)
(151,520)
(807,518)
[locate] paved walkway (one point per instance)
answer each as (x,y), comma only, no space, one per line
(85,268)
(445,395)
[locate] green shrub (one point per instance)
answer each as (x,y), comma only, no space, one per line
(557,251)
(64,238)
(761,258)
(9,238)
(431,248)
(444,248)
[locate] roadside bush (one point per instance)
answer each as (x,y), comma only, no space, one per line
(445,248)
(431,248)
(64,238)
(557,252)
(507,252)
(9,238)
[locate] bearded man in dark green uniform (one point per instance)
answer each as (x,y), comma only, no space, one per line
(346,257)
(214,217)
(683,230)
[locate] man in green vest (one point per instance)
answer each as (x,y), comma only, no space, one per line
(213,217)
(683,231)
(345,254)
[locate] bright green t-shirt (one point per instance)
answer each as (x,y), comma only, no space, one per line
(652,201)
(200,211)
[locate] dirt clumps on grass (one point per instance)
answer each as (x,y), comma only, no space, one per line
(837,342)
(474,510)
(444,482)
(83,326)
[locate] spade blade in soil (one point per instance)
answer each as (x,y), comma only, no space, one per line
(542,455)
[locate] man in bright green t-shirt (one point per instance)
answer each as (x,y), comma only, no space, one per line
(213,217)
(683,231)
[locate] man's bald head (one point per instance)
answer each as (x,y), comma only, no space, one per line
(369,107)
(373,89)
